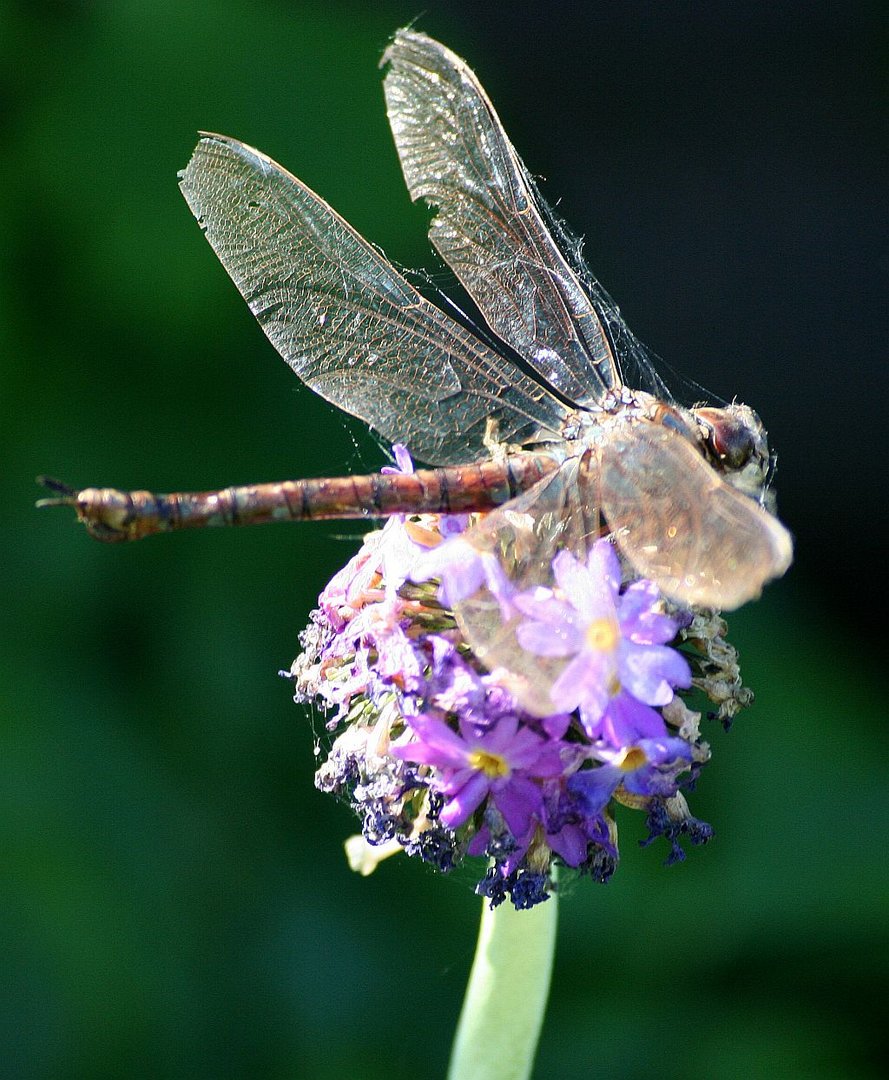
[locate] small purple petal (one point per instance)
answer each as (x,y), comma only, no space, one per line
(640,619)
(544,639)
(583,681)
(435,744)
(403,462)
(593,788)
(624,722)
(649,672)
(574,580)
(548,761)
(499,585)
(462,805)
(518,801)
(555,726)
(607,563)
(570,842)
(457,564)
(495,741)
(451,525)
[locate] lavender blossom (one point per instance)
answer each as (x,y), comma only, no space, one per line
(619,666)
(650,767)
(461,571)
(439,759)
(501,762)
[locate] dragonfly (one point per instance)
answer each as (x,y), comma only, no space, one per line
(559,432)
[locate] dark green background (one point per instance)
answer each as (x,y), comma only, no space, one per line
(174,898)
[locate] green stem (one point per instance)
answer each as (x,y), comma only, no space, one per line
(506,997)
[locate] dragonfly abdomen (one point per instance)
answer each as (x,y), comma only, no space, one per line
(113,516)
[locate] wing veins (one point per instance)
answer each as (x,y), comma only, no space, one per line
(333,305)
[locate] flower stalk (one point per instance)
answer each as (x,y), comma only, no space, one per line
(506,996)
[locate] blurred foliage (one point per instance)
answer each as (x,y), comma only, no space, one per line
(175,901)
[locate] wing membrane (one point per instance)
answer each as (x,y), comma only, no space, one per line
(675,519)
(680,524)
(347,322)
(521,538)
(488,228)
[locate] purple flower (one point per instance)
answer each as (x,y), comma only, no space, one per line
(403,461)
(380,568)
(618,663)
(651,767)
(568,828)
(500,761)
(397,657)
(454,686)
(462,570)
(561,824)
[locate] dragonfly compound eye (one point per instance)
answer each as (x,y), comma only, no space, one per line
(732,435)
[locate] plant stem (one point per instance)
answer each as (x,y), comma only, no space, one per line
(507,992)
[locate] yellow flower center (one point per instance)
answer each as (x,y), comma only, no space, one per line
(602,635)
(494,766)
(633,759)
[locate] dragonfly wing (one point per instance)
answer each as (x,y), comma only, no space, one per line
(488,226)
(681,525)
(521,539)
(347,322)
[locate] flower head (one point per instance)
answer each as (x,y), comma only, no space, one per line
(439,758)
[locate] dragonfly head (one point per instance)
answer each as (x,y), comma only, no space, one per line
(736,442)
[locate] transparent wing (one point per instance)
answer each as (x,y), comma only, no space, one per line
(347,322)
(675,519)
(680,524)
(489,228)
(518,542)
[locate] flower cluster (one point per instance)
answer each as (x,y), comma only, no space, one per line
(440,757)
